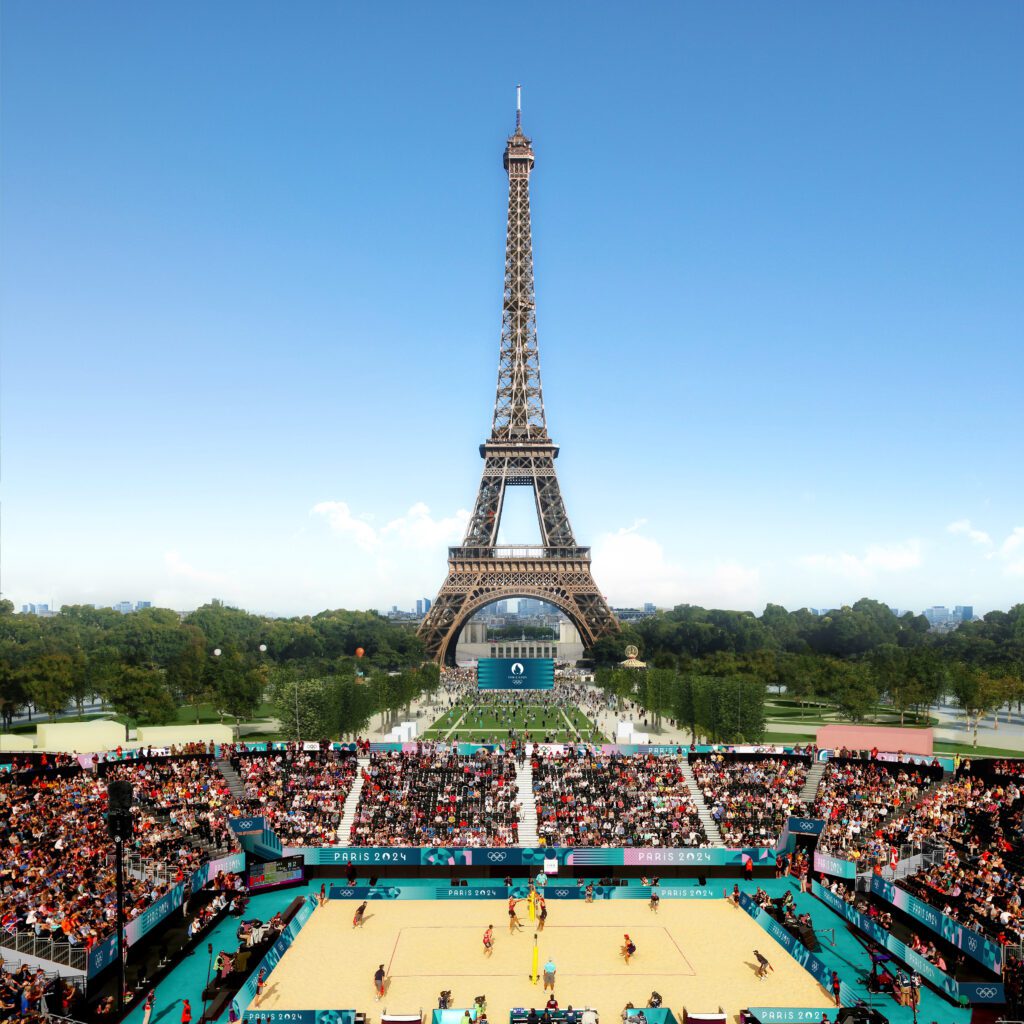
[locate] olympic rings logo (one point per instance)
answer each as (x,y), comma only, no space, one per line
(497,856)
(985,993)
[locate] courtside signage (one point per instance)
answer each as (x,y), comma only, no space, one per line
(534,857)
(515,674)
(974,945)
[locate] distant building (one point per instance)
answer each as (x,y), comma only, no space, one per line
(419,606)
(426,605)
(649,608)
(140,605)
(124,607)
(944,620)
(42,610)
(474,644)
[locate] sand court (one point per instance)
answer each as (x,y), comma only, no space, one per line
(425,951)
(697,953)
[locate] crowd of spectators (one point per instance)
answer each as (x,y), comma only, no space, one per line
(301,793)
(180,809)
(976,821)
(56,858)
(750,800)
(980,881)
(868,807)
(585,798)
(437,798)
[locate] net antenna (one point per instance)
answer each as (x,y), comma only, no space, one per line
(829,933)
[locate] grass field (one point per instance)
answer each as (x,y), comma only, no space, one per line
(477,722)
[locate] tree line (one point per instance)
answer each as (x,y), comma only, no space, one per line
(149,664)
(853,658)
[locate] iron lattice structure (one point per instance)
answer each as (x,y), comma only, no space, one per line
(519,453)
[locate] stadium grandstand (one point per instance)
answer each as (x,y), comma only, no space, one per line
(926,849)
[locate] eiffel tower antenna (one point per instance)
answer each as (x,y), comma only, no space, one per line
(518,453)
(519,108)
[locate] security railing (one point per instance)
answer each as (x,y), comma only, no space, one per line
(75,957)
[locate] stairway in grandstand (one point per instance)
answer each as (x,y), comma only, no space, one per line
(810,790)
(232,778)
(348,812)
(267,845)
(528,805)
(710,825)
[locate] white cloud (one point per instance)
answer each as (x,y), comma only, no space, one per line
(341,520)
(417,529)
(963,526)
(877,558)
(1009,549)
(1012,543)
(179,569)
(631,568)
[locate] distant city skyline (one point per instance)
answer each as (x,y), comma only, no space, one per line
(252,265)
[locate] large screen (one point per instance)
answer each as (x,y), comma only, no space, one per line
(515,674)
(271,874)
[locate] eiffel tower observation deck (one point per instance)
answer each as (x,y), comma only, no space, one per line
(518,453)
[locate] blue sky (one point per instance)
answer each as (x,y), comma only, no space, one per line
(251,283)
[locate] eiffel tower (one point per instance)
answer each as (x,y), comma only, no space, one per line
(519,453)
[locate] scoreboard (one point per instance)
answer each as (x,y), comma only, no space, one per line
(515,674)
(272,874)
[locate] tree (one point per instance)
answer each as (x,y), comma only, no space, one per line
(238,687)
(852,689)
(142,694)
(186,672)
(977,694)
(49,678)
(301,705)
(13,694)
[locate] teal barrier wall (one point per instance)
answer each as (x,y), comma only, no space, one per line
(247,992)
(825,863)
(788,1014)
(973,991)
(975,945)
(103,953)
(814,965)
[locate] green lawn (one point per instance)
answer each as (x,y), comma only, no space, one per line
(484,720)
(186,715)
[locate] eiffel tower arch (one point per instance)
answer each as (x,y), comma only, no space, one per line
(518,453)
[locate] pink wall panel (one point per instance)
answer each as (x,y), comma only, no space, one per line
(886,738)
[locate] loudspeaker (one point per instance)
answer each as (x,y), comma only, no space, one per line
(119,816)
(120,796)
